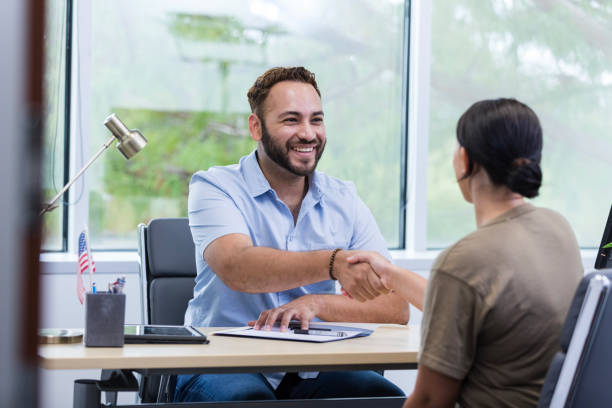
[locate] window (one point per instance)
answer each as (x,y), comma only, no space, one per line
(554,56)
(179,71)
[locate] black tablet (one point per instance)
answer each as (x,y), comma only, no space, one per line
(142,333)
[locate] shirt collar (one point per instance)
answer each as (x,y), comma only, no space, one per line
(315,186)
(258,184)
(510,214)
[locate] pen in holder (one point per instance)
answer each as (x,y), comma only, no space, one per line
(104,319)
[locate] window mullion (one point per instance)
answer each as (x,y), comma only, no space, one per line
(418,126)
(80,122)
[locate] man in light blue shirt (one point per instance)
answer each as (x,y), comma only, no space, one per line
(272,235)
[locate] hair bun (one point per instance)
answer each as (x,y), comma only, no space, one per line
(525,178)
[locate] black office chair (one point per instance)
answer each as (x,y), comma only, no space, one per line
(579,375)
(167,272)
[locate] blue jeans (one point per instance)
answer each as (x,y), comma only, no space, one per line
(242,387)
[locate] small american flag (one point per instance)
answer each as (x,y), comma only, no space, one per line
(85,263)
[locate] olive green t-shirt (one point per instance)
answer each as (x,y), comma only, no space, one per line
(495,304)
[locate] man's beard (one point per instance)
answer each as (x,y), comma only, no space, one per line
(281,157)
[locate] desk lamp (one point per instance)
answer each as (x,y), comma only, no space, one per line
(130,143)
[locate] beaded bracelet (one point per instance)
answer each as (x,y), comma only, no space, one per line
(331,263)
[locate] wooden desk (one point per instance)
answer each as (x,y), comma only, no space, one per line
(389,347)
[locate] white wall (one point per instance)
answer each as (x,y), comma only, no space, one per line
(60,308)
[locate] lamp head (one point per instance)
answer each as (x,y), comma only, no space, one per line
(130,141)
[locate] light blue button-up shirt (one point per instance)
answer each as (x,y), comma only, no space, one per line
(238,199)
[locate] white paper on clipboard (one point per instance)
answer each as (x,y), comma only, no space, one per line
(332,333)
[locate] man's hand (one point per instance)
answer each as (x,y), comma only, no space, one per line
(379,264)
(304,309)
(359,280)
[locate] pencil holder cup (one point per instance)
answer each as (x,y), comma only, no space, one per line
(104,319)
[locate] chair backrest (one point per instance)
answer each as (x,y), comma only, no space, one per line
(167,270)
(579,374)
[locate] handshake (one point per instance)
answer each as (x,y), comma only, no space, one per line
(363,275)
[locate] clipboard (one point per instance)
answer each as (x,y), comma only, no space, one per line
(316,333)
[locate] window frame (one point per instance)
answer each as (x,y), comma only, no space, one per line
(66,39)
(419,46)
(78,216)
(67,113)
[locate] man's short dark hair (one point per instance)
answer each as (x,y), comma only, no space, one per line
(260,89)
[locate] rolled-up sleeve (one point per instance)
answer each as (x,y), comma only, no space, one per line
(212,212)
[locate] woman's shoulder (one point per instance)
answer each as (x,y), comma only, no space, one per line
(550,215)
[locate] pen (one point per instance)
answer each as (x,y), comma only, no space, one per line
(298,326)
(325,332)
(117,286)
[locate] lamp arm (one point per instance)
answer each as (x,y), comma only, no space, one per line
(50,205)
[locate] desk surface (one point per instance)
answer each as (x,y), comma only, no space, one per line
(390,346)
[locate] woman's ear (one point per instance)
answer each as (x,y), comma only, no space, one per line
(463,161)
(255,127)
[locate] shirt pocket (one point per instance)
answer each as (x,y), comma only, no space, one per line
(327,238)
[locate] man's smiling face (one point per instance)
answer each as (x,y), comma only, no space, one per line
(292,128)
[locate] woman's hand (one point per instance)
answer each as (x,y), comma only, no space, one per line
(359,280)
(379,264)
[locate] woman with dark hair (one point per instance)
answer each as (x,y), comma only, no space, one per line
(496,300)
